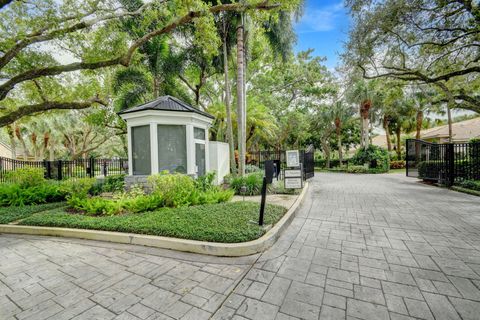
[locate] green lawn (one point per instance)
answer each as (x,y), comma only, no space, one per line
(11,214)
(225,222)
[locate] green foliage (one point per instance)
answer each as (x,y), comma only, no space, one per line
(205,182)
(252,182)
(357,169)
(278,187)
(101,206)
(78,188)
(175,188)
(322,163)
(29,187)
(170,190)
(397,164)
(434,169)
(470,184)
(26,177)
(225,222)
(250,168)
(474,140)
(376,157)
(114,183)
(13,194)
(11,214)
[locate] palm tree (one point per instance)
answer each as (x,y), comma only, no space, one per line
(241,100)
(361,94)
(226,46)
(261,126)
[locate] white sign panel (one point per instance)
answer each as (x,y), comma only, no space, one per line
(293,158)
(293,173)
(293,183)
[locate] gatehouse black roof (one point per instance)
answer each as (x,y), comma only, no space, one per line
(167,103)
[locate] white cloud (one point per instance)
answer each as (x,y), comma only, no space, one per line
(319,20)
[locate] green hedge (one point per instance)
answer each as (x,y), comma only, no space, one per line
(467,169)
(322,163)
(169,190)
(470,184)
(397,164)
(377,158)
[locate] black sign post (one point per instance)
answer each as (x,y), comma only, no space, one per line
(268,178)
(262,204)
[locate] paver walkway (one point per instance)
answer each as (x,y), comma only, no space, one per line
(361,247)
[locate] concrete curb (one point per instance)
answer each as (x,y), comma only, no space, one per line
(202,247)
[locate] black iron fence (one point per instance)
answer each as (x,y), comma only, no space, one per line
(65,169)
(444,163)
(258,159)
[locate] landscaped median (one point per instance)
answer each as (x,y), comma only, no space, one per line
(226,222)
(222,224)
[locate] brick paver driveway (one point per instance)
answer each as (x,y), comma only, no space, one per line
(361,247)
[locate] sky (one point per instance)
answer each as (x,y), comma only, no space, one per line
(324,28)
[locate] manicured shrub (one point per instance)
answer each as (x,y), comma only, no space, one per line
(114,183)
(376,157)
(174,188)
(470,184)
(26,177)
(100,206)
(171,190)
(205,182)
(252,182)
(29,187)
(13,194)
(251,168)
(322,163)
(397,164)
(78,188)
(357,169)
(435,169)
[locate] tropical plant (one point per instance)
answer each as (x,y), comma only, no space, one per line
(376,158)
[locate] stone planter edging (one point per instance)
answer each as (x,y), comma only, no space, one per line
(195,246)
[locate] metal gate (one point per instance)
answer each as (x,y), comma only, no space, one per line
(444,163)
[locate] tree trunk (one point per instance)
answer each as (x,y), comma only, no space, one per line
(156,87)
(338,128)
(362,127)
(241,100)
(419,124)
(13,144)
(386,127)
(22,142)
(449,114)
(398,132)
(231,143)
(366,128)
(326,151)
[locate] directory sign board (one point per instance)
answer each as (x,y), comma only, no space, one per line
(293,183)
(293,158)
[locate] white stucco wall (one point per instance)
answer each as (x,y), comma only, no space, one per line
(219,158)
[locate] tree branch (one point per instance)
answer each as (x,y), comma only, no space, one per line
(125,59)
(39,37)
(413,75)
(3,3)
(45,106)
